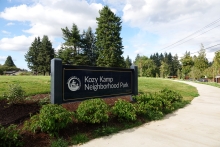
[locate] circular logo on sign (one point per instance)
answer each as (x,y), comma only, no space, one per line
(74,83)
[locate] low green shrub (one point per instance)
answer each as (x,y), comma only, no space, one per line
(105,130)
(170,95)
(155,105)
(24,73)
(10,136)
(15,94)
(150,105)
(168,98)
(60,142)
(51,119)
(124,110)
(92,111)
(44,101)
(79,139)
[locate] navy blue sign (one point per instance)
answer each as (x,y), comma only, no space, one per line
(87,83)
(76,83)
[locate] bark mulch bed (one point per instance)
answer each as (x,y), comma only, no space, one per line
(18,113)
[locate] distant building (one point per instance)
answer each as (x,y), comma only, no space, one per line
(10,73)
(217,79)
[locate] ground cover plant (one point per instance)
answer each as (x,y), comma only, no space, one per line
(151,104)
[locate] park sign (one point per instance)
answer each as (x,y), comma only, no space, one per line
(76,83)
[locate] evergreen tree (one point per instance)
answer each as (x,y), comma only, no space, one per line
(175,66)
(156,59)
(75,48)
(32,55)
(89,48)
(128,62)
(9,62)
(72,38)
(136,59)
(66,54)
(46,54)
(109,42)
(39,55)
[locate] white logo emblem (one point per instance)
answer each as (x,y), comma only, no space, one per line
(74,83)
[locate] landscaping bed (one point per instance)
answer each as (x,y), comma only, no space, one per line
(18,113)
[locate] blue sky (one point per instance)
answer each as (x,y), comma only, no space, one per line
(149,26)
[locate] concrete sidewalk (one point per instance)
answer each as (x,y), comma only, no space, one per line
(196,125)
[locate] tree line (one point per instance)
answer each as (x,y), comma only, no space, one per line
(188,66)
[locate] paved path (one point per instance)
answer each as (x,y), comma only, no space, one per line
(196,125)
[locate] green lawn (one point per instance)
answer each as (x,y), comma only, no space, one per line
(31,84)
(156,84)
(41,84)
(210,83)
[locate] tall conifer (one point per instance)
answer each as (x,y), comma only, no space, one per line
(109,42)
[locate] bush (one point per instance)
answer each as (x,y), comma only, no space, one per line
(124,110)
(149,104)
(105,130)
(169,97)
(10,136)
(51,118)
(15,94)
(79,139)
(154,105)
(92,111)
(44,101)
(60,142)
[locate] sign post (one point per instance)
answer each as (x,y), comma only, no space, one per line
(76,83)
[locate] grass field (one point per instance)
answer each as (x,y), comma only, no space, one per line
(156,84)
(31,84)
(41,84)
(211,84)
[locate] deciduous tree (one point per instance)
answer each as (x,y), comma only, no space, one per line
(187,63)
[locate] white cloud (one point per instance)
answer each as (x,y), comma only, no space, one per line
(6,32)
(172,20)
(18,43)
(9,24)
(48,17)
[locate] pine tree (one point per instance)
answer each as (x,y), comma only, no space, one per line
(109,42)
(9,62)
(128,62)
(73,48)
(39,55)
(32,55)
(175,66)
(89,48)
(66,54)
(46,54)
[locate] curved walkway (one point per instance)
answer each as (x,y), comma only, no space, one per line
(196,125)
